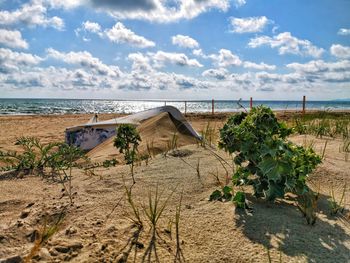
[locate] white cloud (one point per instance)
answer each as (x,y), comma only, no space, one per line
(248,24)
(319,71)
(220,73)
(161,57)
(320,66)
(226,58)
(260,66)
(287,44)
(184,41)
(344,31)
(340,51)
(239,3)
(13,61)
(84,59)
(12,39)
(140,62)
(157,10)
(91,26)
(120,34)
(33,13)
(151,10)
(66,4)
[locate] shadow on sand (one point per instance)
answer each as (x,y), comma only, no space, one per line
(281,225)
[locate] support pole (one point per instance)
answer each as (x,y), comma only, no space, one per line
(185,107)
(164,103)
(212,106)
(251,103)
(304,104)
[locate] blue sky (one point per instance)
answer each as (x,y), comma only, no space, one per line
(175,49)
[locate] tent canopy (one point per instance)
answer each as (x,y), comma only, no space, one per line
(89,135)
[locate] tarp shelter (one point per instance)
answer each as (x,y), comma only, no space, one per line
(89,135)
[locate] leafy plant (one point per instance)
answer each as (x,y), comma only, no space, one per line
(127,141)
(265,159)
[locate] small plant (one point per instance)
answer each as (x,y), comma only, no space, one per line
(46,232)
(109,163)
(216,177)
(127,141)
(208,135)
(136,212)
(150,148)
(224,195)
(336,206)
(172,142)
(179,257)
(153,212)
(35,157)
(62,164)
(198,169)
(324,150)
(265,159)
(144,157)
(346,148)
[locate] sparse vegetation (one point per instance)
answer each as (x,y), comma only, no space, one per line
(33,157)
(323,124)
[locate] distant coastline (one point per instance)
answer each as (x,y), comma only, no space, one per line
(79,106)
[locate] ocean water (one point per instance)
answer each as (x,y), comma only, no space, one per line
(64,106)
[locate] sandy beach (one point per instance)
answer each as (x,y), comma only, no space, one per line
(99,227)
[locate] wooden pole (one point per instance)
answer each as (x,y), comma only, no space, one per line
(212,106)
(251,103)
(304,104)
(185,107)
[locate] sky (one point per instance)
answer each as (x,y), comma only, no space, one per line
(175,49)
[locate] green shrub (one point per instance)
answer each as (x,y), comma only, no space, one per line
(264,157)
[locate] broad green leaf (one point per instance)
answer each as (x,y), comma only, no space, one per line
(215,196)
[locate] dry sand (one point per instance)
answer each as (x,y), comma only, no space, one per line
(98,227)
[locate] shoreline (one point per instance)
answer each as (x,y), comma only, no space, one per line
(204,113)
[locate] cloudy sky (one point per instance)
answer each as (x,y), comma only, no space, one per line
(175,49)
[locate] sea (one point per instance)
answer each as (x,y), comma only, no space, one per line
(75,106)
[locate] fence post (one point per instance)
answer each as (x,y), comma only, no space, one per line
(251,103)
(185,107)
(164,103)
(304,104)
(212,106)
